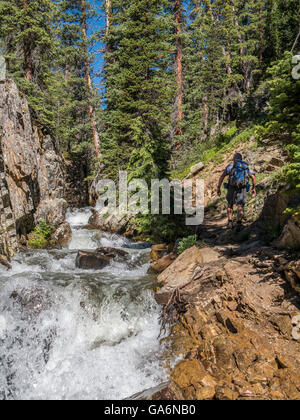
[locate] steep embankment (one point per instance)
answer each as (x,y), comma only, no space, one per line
(32,176)
(234,295)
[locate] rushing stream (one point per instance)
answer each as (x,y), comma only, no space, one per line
(66,333)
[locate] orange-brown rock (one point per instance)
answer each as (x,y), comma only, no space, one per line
(162,264)
(182,270)
(158,251)
(195,382)
(236,338)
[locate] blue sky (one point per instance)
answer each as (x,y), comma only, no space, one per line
(98,24)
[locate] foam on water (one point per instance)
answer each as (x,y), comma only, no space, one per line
(66,333)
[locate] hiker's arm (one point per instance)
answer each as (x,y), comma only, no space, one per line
(221,183)
(253,185)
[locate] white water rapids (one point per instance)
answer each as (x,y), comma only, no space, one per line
(67,333)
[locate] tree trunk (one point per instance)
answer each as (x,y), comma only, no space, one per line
(87,72)
(108,47)
(108,15)
(261,36)
(27,53)
(245,67)
(179,78)
(27,60)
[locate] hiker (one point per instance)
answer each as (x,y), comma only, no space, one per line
(239,174)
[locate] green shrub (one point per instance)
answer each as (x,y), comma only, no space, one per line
(294,212)
(187,243)
(41,235)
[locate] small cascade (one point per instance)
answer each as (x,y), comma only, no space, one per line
(66,333)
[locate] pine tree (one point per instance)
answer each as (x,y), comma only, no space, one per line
(179,70)
(70,92)
(29,47)
(205,75)
(73,93)
(139,88)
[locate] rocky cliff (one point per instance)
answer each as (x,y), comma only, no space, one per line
(32,178)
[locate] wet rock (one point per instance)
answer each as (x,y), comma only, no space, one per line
(112,252)
(62,235)
(4,261)
(113,223)
(98,259)
(150,393)
(92,260)
(138,245)
(162,264)
(158,251)
(167,391)
(32,301)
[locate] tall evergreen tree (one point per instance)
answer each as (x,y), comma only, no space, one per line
(179,70)
(139,87)
(70,90)
(26,29)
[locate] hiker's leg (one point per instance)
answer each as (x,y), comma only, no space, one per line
(230,214)
(230,199)
(241,202)
(240,213)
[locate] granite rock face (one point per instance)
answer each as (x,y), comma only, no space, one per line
(32,176)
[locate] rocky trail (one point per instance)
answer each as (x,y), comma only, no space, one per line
(238,318)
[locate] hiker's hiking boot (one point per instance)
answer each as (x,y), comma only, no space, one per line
(239,227)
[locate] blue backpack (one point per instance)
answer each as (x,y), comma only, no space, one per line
(240,174)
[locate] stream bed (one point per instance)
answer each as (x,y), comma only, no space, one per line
(67,333)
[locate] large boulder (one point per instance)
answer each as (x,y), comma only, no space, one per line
(273,212)
(158,251)
(91,260)
(290,237)
(112,252)
(113,223)
(162,264)
(195,169)
(4,261)
(52,211)
(98,259)
(62,235)
(181,271)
